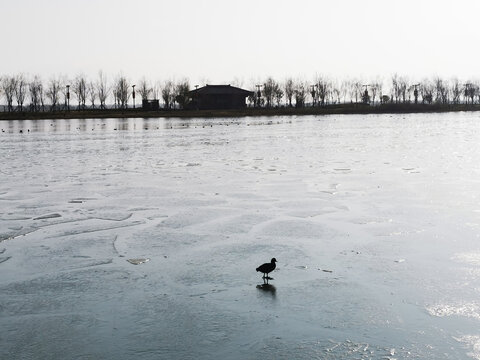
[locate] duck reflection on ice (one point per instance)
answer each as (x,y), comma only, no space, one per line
(267,288)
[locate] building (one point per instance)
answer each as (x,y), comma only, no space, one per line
(150,104)
(212,97)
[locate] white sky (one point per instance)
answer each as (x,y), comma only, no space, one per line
(216,41)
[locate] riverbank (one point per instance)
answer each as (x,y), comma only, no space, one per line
(325,110)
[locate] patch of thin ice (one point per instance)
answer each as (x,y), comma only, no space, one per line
(472,341)
(138,261)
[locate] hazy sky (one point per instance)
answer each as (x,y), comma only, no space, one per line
(220,40)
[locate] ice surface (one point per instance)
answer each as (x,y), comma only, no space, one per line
(373,220)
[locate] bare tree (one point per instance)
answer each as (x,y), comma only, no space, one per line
(115,97)
(121,91)
(156,90)
(375,88)
(300,94)
(278,95)
(477,90)
(53,91)
(357,90)
(470,91)
(252,98)
(289,90)
(144,89)
(426,91)
(92,93)
(344,89)
(334,92)
(35,88)
(441,91)
(379,86)
(395,91)
(102,89)
(9,84)
(456,90)
(410,91)
(271,90)
(80,90)
(167,94)
(402,86)
(21,90)
(323,89)
(181,89)
(352,90)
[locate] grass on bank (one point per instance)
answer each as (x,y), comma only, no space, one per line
(317,110)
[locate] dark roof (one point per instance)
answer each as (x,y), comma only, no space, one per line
(220,89)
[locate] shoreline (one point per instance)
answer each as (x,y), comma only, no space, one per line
(281,111)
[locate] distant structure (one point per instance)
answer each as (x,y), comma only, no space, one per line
(150,104)
(366,96)
(211,97)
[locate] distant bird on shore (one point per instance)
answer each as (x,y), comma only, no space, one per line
(267,268)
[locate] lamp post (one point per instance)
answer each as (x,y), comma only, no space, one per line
(68,97)
(259,94)
(415,93)
(133,95)
(469,92)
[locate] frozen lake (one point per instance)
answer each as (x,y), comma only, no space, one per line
(374,221)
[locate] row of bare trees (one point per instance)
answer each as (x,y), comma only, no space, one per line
(398,89)
(23,93)
(321,92)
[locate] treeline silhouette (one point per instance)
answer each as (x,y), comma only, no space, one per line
(31,93)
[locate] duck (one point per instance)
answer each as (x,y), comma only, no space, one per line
(267,268)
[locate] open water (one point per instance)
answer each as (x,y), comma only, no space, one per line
(374,221)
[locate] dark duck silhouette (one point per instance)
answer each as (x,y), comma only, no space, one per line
(267,268)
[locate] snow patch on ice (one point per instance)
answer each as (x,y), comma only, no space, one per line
(467,309)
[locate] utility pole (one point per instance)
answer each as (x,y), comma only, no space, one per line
(133,95)
(415,93)
(259,94)
(468,91)
(68,97)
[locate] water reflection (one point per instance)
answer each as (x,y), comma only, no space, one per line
(86,125)
(267,289)
(120,124)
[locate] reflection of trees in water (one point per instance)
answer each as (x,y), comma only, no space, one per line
(97,125)
(176,124)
